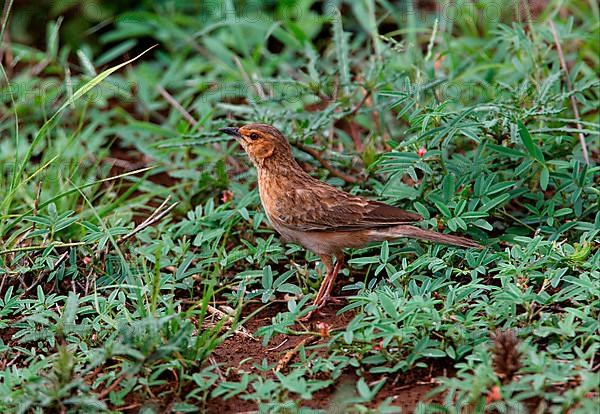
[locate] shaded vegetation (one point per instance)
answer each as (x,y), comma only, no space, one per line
(460,113)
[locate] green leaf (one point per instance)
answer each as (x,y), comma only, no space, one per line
(340,40)
(529,144)
(474,214)
(421,209)
(443,209)
(384,255)
(388,305)
(364,260)
(43,221)
(115,52)
(267,278)
(452,225)
(433,353)
(363,389)
(289,288)
(70,311)
(483,224)
(544,178)
(494,202)
(449,185)
(508,152)
(450,351)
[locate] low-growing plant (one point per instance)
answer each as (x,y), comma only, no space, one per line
(133,249)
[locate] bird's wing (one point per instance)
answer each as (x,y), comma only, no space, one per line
(324,208)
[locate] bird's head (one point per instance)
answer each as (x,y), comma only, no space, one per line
(261,142)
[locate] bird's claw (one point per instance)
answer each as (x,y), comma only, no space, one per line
(306,317)
(331,299)
(318,304)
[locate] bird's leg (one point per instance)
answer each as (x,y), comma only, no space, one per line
(323,288)
(330,278)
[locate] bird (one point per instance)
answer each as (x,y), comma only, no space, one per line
(320,217)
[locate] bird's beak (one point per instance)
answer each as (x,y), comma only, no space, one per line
(234,132)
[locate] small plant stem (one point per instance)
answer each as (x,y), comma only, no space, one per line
(112,386)
(563,63)
(517,220)
(169,98)
(42,247)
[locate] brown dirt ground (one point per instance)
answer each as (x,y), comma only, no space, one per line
(406,390)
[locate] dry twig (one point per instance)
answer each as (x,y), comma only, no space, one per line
(275,348)
(317,156)
(156,216)
(563,63)
(229,320)
(6,34)
(112,386)
(60,260)
(215,364)
(169,98)
(287,357)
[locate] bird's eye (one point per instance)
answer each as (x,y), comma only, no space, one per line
(254,136)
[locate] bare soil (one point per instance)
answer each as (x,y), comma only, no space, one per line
(239,353)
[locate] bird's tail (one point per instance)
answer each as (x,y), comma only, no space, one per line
(396,232)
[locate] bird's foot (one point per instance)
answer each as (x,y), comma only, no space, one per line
(331,299)
(310,314)
(318,303)
(306,317)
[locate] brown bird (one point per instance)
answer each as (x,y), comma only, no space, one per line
(318,216)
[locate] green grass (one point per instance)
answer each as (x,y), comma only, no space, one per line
(467,121)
